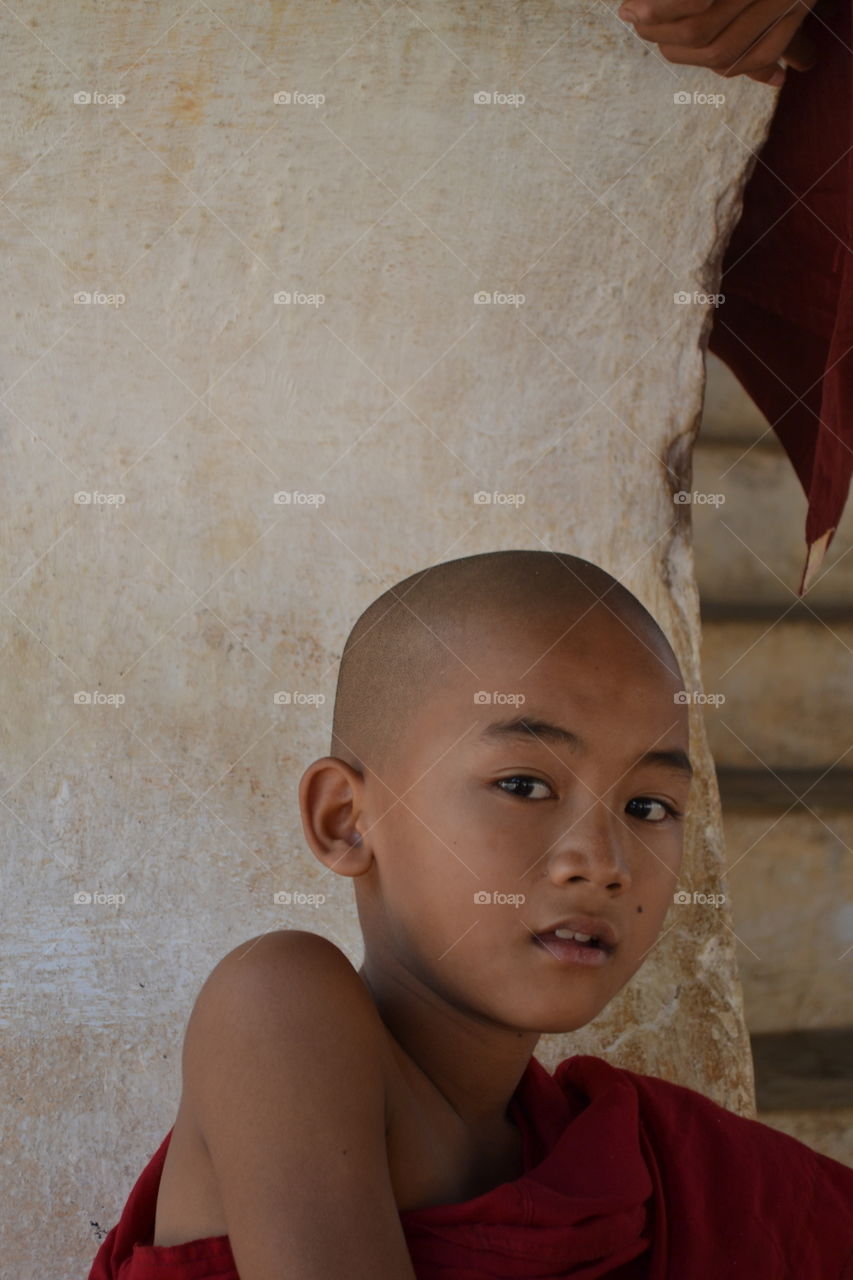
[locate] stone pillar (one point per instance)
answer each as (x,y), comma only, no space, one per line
(398,258)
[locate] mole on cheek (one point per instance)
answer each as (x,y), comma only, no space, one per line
(640,909)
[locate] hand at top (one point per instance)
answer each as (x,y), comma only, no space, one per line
(731,37)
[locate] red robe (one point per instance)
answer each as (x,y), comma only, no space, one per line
(626,1176)
(786,326)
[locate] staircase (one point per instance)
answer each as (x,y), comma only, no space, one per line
(782,741)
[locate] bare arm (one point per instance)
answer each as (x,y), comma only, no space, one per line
(284,1075)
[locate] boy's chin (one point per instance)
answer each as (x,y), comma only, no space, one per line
(560,1018)
(563,1028)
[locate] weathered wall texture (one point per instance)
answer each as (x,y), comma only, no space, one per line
(195,597)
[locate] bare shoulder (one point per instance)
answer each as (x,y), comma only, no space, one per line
(285,1074)
(298,946)
(294,948)
(283,962)
(282,984)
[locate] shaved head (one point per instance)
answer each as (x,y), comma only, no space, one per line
(403,646)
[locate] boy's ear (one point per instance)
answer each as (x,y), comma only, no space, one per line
(330,799)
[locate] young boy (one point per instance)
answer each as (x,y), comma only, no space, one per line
(507,788)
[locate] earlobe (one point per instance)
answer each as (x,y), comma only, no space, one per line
(330,793)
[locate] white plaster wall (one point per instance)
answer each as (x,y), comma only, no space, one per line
(198,398)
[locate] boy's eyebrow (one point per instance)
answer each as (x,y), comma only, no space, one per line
(528,727)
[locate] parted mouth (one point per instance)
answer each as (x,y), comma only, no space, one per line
(590,931)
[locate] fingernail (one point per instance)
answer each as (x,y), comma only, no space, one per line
(627,15)
(778,78)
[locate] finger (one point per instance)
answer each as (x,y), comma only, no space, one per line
(801,53)
(703,28)
(773,75)
(739,50)
(752,21)
(664,10)
(760,54)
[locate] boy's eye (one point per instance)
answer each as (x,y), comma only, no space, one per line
(649,800)
(526,782)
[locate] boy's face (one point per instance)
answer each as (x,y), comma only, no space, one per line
(571,831)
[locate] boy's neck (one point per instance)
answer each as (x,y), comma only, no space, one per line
(474,1067)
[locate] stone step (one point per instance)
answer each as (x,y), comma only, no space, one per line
(727,411)
(751,547)
(748,513)
(748,791)
(803,1070)
(828,1131)
(788,681)
(804,1086)
(785,680)
(794,611)
(789,883)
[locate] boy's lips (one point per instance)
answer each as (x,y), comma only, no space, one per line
(597,928)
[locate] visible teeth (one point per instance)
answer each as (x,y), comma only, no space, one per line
(568,933)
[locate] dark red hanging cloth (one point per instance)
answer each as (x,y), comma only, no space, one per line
(786,326)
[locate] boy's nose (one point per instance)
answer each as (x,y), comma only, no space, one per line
(590,849)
